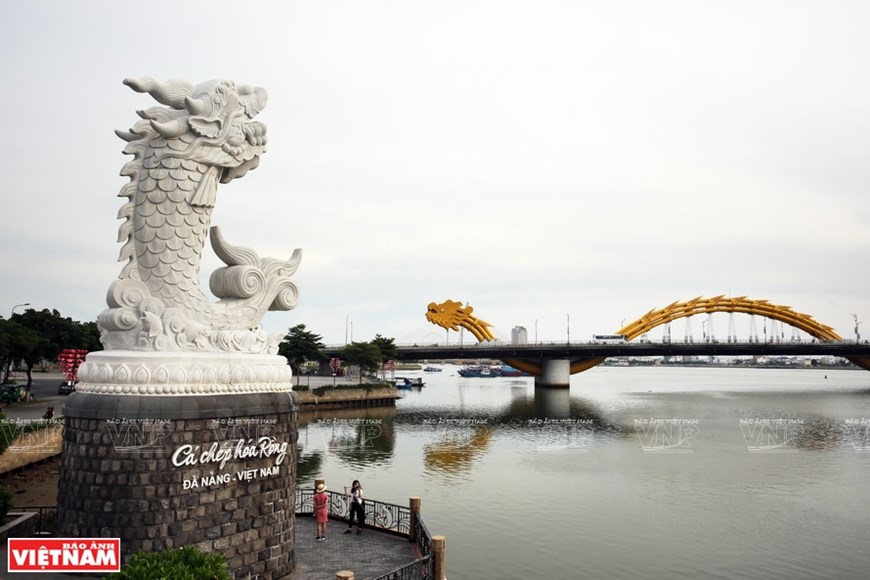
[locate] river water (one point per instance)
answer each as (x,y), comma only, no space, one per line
(649,472)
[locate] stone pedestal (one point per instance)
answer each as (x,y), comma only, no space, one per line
(212,465)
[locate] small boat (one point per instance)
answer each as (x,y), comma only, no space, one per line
(509,371)
(406,383)
(431,369)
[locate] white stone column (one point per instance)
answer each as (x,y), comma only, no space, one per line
(557,373)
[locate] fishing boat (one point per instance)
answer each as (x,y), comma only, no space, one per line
(509,371)
(482,371)
(479,372)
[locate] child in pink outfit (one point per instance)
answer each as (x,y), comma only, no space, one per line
(321,512)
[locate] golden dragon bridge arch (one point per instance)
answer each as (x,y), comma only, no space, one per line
(701,305)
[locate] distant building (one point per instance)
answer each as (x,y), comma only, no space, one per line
(519,335)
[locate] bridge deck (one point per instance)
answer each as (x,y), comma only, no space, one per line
(572,351)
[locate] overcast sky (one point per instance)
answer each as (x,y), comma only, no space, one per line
(543,161)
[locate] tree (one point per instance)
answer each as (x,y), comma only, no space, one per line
(387,346)
(89,336)
(300,346)
(17,343)
(365,355)
(48,334)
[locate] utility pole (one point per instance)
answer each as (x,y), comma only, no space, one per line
(568,316)
(9,365)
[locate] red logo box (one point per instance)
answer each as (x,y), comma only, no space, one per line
(64,554)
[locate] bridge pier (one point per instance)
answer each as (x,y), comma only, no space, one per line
(557,374)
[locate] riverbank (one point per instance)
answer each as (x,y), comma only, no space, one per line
(347,398)
(316,392)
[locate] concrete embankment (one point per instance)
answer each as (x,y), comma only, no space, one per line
(328,398)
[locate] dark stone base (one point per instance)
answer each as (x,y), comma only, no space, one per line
(119,476)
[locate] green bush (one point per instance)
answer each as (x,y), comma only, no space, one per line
(186,563)
(6,498)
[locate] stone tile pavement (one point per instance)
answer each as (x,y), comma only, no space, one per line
(368,555)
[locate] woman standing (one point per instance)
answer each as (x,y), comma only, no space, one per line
(321,513)
(357,507)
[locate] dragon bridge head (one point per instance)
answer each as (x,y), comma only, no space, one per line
(448,314)
(211,123)
(451,315)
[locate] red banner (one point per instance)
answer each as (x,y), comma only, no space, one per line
(69,361)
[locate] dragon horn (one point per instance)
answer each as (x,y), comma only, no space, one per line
(169,129)
(195,106)
(170,93)
(128,136)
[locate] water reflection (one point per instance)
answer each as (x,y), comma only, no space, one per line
(557,406)
(358,437)
(308,416)
(785,432)
(308,465)
(456,448)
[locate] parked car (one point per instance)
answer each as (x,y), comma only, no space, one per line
(10,394)
(66,387)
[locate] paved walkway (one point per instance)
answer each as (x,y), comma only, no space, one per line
(368,555)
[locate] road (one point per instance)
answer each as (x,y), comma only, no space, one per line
(45,395)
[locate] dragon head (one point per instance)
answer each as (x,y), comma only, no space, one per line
(211,123)
(451,315)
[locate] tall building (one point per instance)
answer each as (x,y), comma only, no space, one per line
(519,335)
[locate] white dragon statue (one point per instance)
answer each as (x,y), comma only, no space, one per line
(201,136)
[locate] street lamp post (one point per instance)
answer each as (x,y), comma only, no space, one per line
(16,306)
(568,317)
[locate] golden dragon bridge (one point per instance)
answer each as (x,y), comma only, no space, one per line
(552,365)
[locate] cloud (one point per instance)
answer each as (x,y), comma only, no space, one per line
(535,160)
